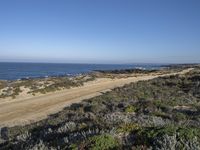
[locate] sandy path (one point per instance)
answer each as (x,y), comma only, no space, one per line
(21,111)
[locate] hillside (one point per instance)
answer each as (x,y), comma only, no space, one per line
(162,113)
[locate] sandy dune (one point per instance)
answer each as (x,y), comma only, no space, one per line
(25,110)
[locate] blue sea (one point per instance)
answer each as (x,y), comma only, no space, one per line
(14,71)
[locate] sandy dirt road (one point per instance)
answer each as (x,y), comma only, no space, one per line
(21,111)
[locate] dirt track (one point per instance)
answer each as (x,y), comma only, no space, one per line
(25,110)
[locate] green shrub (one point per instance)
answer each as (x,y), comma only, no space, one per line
(189,133)
(128,127)
(130,109)
(158,103)
(73,147)
(146,136)
(179,116)
(161,114)
(103,142)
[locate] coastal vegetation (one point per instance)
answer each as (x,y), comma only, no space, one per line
(34,86)
(163,113)
(41,85)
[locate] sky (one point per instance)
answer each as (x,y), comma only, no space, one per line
(100,31)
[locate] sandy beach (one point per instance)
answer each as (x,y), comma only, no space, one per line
(24,110)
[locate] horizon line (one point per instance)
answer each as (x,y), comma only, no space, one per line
(31,62)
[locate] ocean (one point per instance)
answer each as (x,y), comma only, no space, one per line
(14,71)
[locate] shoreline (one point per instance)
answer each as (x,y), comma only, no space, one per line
(155,68)
(40,70)
(42,85)
(23,111)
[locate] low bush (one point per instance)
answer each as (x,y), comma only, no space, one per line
(130,109)
(103,142)
(128,127)
(146,136)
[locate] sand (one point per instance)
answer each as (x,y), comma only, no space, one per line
(25,110)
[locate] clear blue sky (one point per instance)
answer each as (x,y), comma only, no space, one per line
(100,31)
